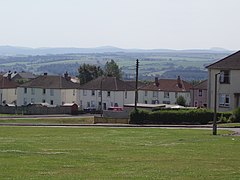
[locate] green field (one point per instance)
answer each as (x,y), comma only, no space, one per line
(117,153)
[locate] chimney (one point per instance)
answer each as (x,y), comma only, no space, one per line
(179,82)
(68,78)
(45,74)
(9,75)
(156,81)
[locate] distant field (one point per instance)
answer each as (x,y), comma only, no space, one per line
(151,64)
(117,153)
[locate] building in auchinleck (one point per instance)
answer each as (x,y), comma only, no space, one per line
(224,78)
(53,90)
(106,92)
(165,91)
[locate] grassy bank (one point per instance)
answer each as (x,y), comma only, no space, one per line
(106,153)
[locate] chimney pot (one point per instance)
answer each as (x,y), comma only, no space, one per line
(179,82)
(9,75)
(156,81)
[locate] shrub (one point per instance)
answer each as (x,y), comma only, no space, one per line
(181,101)
(196,116)
(138,116)
(236,115)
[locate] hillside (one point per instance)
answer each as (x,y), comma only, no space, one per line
(189,64)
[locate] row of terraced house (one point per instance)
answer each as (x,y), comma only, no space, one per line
(109,91)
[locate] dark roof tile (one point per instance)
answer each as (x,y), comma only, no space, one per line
(51,82)
(5,83)
(230,62)
(108,84)
(169,85)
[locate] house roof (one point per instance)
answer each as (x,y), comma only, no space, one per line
(201,85)
(51,82)
(133,83)
(107,84)
(5,83)
(22,75)
(169,85)
(230,62)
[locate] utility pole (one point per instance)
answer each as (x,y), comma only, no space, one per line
(215,106)
(136,87)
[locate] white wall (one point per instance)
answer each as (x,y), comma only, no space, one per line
(37,96)
(159,96)
(87,98)
(8,95)
(231,88)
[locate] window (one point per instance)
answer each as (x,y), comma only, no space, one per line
(93,93)
(74,92)
(25,101)
(166,95)
(224,100)
(145,102)
(32,91)
(44,91)
(51,92)
(199,92)
(155,94)
(108,93)
(43,101)
(196,104)
(166,102)
(99,93)
(84,92)
(155,102)
(15,91)
(51,102)
(92,104)
(176,95)
(224,77)
(146,93)
(125,94)
(88,104)
(25,90)
(32,100)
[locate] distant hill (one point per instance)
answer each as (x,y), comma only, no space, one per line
(13,50)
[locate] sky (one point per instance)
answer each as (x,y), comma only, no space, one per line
(144,24)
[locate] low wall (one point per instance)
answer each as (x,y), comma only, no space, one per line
(111,120)
(116,114)
(32,110)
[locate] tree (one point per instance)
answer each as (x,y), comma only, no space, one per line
(88,72)
(181,101)
(111,69)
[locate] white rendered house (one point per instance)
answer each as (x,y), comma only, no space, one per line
(54,90)
(105,92)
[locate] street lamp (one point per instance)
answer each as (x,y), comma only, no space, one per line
(215,106)
(101,96)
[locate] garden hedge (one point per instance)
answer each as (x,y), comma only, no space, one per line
(194,116)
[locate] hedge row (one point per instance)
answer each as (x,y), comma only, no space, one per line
(196,116)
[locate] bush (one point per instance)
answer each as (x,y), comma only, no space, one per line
(225,117)
(181,101)
(138,116)
(196,116)
(236,115)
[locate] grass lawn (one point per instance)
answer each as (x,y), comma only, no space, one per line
(117,153)
(237,125)
(81,120)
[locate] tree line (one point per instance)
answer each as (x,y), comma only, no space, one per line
(88,72)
